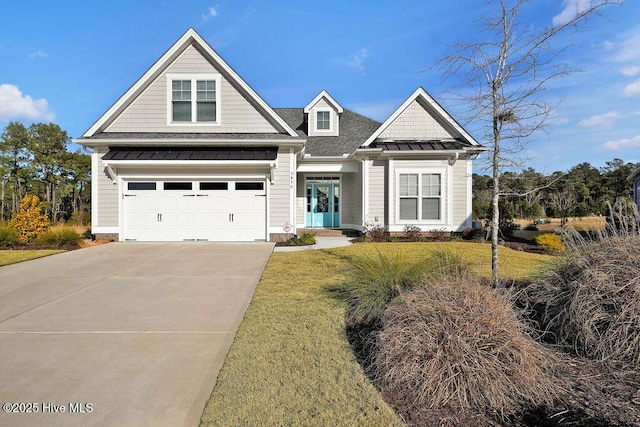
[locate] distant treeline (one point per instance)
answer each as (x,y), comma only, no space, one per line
(583,191)
(35,160)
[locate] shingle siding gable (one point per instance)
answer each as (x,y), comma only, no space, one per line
(415,123)
(148,112)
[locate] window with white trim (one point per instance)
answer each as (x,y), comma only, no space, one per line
(323,120)
(419,196)
(193,99)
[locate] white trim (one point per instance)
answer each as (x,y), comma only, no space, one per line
(293,183)
(188,38)
(95,196)
(136,142)
(324,94)
(469,215)
(121,218)
(351,167)
(423,227)
(391,183)
(420,93)
(194,78)
(445,218)
(449,193)
(365,190)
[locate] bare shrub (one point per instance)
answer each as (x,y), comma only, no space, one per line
(441,235)
(591,300)
(378,233)
(412,233)
(458,345)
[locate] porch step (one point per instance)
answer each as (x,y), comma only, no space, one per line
(324,232)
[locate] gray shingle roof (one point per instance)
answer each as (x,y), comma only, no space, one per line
(354,131)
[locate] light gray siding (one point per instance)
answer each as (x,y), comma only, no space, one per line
(280,191)
(461,218)
(415,123)
(377,192)
(148,112)
(323,105)
(107,200)
(352,198)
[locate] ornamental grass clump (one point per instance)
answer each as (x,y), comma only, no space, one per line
(457,346)
(29,220)
(377,279)
(60,237)
(9,237)
(590,301)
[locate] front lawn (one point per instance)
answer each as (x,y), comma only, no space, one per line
(13,256)
(291,363)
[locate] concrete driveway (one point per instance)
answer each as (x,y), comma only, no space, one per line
(124,334)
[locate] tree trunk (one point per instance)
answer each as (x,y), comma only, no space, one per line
(495,220)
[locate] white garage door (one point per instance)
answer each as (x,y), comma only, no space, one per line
(169,211)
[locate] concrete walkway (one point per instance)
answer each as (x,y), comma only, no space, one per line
(321,243)
(121,334)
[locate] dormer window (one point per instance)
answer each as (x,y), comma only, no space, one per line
(185,108)
(323,120)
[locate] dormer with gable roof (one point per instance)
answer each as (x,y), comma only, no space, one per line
(323,115)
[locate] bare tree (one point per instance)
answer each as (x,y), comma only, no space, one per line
(564,202)
(507,73)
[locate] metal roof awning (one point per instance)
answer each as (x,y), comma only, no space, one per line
(190,154)
(405,145)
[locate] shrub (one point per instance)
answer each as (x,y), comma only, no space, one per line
(412,233)
(9,237)
(87,234)
(378,233)
(550,243)
(376,280)
(458,345)
(29,220)
(59,237)
(472,233)
(305,240)
(439,235)
(531,227)
(590,300)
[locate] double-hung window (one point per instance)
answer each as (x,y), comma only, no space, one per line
(193,99)
(419,196)
(323,120)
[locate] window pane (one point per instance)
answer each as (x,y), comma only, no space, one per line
(431,185)
(206,111)
(177,186)
(141,186)
(206,90)
(181,111)
(408,185)
(409,208)
(249,185)
(431,208)
(214,185)
(181,90)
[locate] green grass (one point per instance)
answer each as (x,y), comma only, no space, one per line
(291,363)
(11,257)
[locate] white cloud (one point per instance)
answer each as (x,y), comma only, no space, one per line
(38,55)
(603,120)
(211,13)
(16,106)
(622,144)
(630,71)
(632,89)
(628,49)
(357,59)
(571,9)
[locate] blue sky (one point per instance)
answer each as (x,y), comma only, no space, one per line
(69,61)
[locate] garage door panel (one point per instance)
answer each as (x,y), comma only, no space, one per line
(177,215)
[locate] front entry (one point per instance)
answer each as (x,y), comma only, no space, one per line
(323,202)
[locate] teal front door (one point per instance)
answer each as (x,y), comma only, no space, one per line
(323,205)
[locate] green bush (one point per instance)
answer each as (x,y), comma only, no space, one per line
(550,243)
(9,237)
(305,240)
(59,237)
(376,280)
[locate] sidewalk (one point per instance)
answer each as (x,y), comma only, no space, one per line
(321,243)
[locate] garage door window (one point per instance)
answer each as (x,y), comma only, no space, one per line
(177,185)
(214,186)
(249,185)
(141,186)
